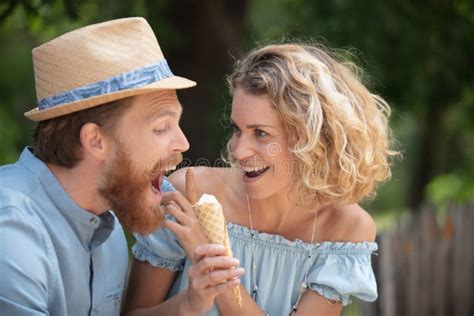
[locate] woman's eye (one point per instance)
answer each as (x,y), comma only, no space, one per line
(259,133)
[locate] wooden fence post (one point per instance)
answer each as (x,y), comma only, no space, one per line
(387,297)
(426,267)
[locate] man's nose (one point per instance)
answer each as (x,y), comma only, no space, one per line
(180,142)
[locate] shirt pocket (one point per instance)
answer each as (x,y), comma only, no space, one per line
(112,303)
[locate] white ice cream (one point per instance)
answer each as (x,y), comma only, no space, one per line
(208,199)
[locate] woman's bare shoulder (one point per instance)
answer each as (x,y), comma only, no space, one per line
(349,223)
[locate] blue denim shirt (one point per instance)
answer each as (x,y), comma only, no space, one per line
(55,258)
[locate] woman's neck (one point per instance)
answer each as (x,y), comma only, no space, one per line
(274,213)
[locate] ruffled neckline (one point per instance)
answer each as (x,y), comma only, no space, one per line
(245,233)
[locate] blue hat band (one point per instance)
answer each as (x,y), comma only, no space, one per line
(129,80)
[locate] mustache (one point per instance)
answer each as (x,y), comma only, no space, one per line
(166,163)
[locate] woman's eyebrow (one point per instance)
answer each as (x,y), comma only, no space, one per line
(253,125)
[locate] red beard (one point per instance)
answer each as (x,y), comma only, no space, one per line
(125,187)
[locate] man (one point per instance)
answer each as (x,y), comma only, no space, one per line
(107,131)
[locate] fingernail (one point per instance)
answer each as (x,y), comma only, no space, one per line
(240,271)
(235,261)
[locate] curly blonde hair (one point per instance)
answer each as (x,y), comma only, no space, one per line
(338,131)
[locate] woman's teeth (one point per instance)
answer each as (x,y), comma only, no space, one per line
(170,169)
(253,169)
(253,172)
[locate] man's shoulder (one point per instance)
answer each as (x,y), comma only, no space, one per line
(16,200)
(18,209)
(16,206)
(18,179)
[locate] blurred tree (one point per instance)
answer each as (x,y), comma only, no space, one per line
(195,37)
(203,33)
(24,25)
(420,56)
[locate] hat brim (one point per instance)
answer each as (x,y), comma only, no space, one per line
(171,83)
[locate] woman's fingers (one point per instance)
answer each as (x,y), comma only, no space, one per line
(208,250)
(190,186)
(212,267)
(176,228)
(174,210)
(219,288)
(178,198)
(207,264)
(217,277)
(212,274)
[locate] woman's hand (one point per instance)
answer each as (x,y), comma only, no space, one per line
(211,274)
(187,228)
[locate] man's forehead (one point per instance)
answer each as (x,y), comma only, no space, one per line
(163,105)
(161,96)
(156,112)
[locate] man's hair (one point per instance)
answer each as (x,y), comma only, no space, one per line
(57,140)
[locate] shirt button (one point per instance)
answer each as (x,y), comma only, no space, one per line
(117,299)
(94,220)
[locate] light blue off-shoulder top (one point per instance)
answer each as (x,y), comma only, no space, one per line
(336,270)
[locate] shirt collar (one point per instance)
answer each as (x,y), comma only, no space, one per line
(86,223)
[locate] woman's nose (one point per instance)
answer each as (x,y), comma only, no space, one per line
(241,148)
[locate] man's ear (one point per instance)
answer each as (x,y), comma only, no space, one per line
(94,141)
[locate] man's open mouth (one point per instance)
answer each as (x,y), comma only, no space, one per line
(156,182)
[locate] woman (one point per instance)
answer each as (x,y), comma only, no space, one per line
(309,141)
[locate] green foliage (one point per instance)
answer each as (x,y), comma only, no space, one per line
(417,55)
(448,188)
(27,25)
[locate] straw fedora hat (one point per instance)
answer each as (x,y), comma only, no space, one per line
(97,64)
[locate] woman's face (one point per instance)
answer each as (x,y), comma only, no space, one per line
(259,144)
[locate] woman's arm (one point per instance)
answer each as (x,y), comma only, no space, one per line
(227,306)
(314,304)
(148,285)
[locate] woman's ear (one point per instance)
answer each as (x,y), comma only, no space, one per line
(94,141)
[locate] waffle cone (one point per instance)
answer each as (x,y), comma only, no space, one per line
(211,217)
